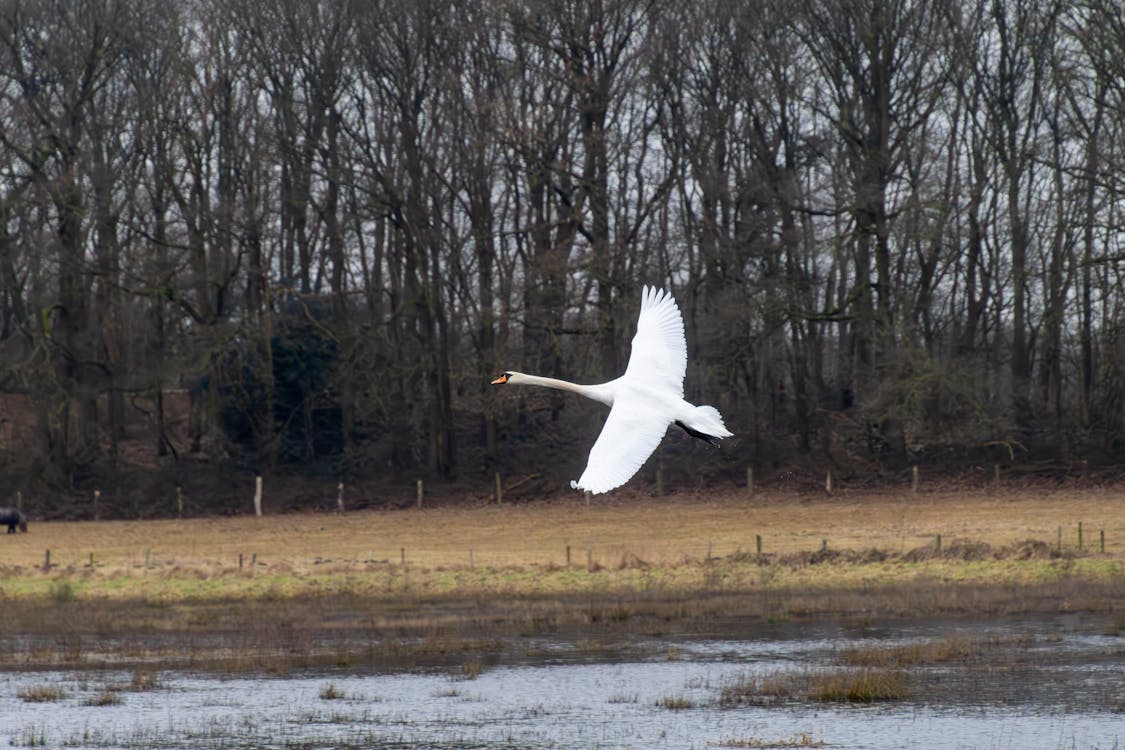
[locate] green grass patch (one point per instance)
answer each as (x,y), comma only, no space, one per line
(391,582)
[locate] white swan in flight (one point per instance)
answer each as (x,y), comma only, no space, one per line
(643,401)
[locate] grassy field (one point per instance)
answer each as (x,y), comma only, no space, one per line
(394,587)
(676,536)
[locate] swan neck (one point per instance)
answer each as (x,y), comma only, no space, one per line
(595,392)
(561,385)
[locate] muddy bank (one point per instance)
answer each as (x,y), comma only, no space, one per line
(393,631)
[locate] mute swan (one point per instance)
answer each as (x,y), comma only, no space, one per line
(643,401)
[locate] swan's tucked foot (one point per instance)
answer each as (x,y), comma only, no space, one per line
(711,439)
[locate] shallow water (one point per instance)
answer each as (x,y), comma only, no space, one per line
(1058,684)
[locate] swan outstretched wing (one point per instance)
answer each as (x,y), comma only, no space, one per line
(659,352)
(630,435)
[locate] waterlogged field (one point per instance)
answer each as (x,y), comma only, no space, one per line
(1029,684)
(874,620)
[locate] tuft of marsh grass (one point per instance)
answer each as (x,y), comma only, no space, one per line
(61,591)
(798,740)
(774,688)
(1117,627)
(957,649)
(821,686)
(105,698)
(41,694)
(624,698)
(675,702)
(470,670)
(145,679)
(859,686)
(33,737)
(331,693)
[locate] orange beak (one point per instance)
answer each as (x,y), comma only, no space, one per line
(501,380)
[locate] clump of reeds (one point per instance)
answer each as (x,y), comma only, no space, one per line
(331,693)
(959,649)
(105,698)
(33,737)
(798,740)
(41,694)
(471,670)
(758,691)
(145,679)
(859,686)
(62,591)
(675,702)
(845,686)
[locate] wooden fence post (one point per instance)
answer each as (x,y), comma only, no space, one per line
(339,497)
(828,481)
(588,495)
(257,498)
(937,544)
(914,480)
(1102,535)
(97,505)
(179,501)
(758,543)
(421,491)
(1079,536)
(47,559)
(749,481)
(499,489)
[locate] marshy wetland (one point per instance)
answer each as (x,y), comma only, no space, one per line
(666,627)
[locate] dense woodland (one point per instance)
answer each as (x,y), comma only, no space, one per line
(300,237)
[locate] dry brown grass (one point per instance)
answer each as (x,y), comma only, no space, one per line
(613,533)
(823,686)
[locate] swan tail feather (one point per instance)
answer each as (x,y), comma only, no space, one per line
(706,422)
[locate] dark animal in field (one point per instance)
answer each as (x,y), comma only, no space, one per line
(13,518)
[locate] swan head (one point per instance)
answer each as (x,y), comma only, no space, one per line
(512,378)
